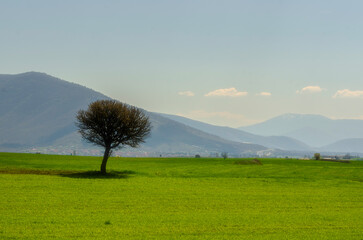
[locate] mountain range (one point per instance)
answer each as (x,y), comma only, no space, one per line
(37,113)
(317,131)
(275,142)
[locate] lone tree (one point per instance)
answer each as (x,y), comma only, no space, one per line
(224,155)
(112,125)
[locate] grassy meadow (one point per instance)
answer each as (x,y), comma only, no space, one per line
(61,197)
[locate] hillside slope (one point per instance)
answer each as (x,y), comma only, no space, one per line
(351,145)
(314,130)
(38,110)
(232,134)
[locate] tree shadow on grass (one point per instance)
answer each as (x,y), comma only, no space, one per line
(70,173)
(99,175)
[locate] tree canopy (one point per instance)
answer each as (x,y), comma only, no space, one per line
(112,125)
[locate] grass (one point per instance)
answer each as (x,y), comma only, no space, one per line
(64,197)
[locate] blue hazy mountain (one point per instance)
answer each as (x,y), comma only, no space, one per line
(232,134)
(350,145)
(314,130)
(38,110)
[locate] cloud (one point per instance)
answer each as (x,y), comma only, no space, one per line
(346,93)
(226,92)
(264,94)
(186,93)
(310,89)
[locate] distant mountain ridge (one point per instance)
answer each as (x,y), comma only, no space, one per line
(38,111)
(350,145)
(315,130)
(279,142)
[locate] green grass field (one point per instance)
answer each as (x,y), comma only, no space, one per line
(59,197)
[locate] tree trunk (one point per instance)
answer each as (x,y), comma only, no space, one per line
(105,158)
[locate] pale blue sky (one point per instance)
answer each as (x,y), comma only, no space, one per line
(147,53)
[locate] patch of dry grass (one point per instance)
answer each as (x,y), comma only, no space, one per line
(254,161)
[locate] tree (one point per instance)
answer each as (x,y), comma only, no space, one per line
(224,155)
(112,125)
(317,156)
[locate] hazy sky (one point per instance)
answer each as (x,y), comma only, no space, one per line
(223,62)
